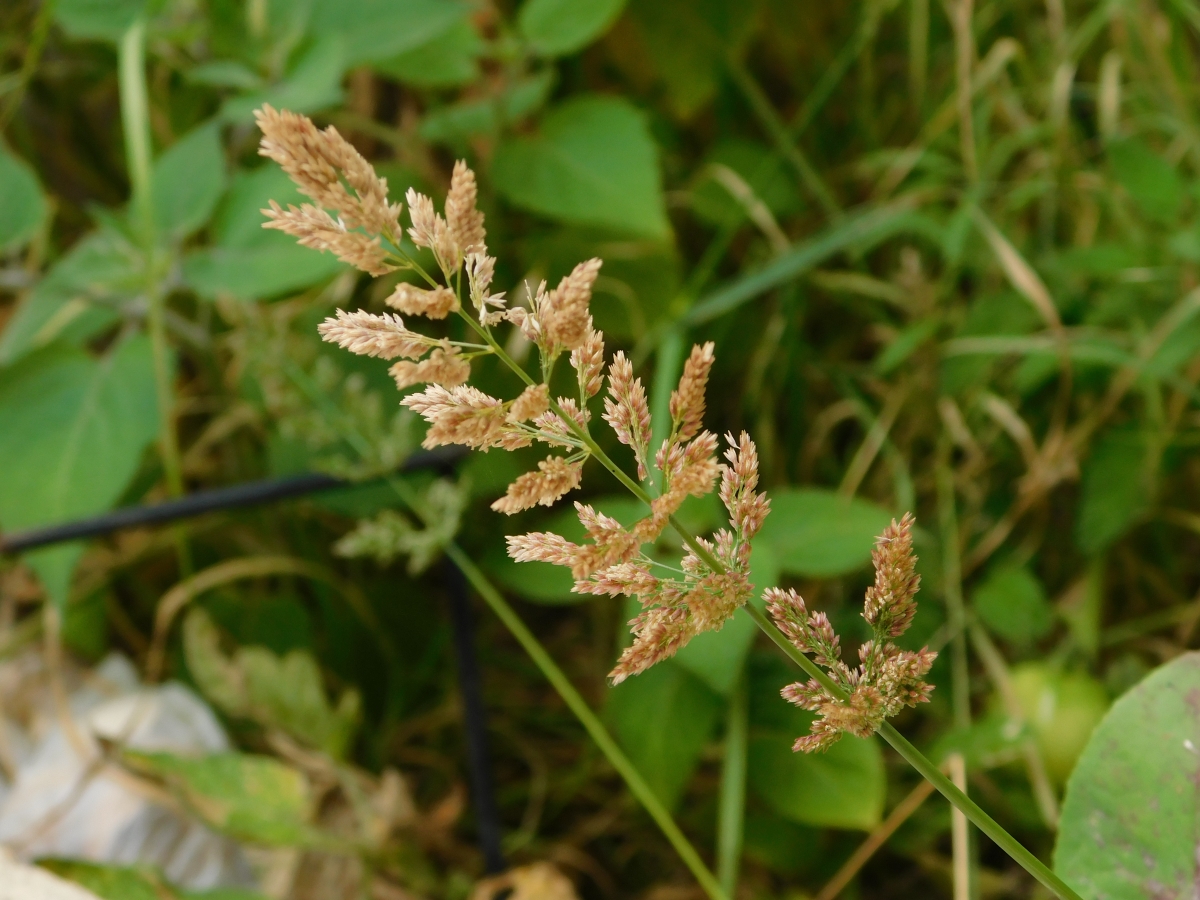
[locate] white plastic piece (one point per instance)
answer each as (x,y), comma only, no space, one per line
(19,881)
(67,803)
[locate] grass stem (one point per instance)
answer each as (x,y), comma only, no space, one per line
(731,809)
(590,721)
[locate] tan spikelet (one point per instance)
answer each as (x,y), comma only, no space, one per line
(463,219)
(554,477)
(687,401)
(313,160)
(564,311)
(532,402)
(414,301)
(369,335)
(313,227)
(444,366)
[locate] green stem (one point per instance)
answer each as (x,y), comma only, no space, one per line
(595,729)
(135,124)
(732,807)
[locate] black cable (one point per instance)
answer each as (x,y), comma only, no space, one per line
(255,492)
(201,502)
(470,685)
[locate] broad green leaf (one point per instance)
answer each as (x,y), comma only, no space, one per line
(1013,604)
(224,73)
(74,431)
(375,30)
(457,122)
(1061,709)
(112,882)
(1116,489)
(284,692)
(188,181)
(103,266)
(449,60)
(663,718)
(1151,181)
(843,787)
(97,19)
(781,844)
(255,799)
(135,882)
(593,162)
(249,273)
(313,83)
(1130,827)
(717,657)
(22,206)
(560,27)
(246,260)
(819,534)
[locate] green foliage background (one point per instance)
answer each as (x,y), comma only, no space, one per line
(950,257)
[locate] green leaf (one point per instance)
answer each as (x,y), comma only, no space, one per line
(858,230)
(819,534)
(74,431)
(1061,708)
(249,798)
(313,83)
(449,60)
(1151,181)
(1116,489)
(663,718)
(97,19)
(249,273)
(22,206)
(593,162)
(247,261)
(112,882)
(375,30)
(1130,827)
(284,692)
(717,657)
(224,73)
(843,787)
(560,27)
(1013,604)
(188,181)
(457,122)
(103,266)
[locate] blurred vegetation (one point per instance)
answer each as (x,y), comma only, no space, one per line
(950,258)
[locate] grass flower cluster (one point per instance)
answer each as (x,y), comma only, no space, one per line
(712,581)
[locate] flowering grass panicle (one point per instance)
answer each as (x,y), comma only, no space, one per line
(711,581)
(887,678)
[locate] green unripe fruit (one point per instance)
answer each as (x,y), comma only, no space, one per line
(1061,710)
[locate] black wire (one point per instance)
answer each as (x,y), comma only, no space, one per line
(201,502)
(470,685)
(255,492)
